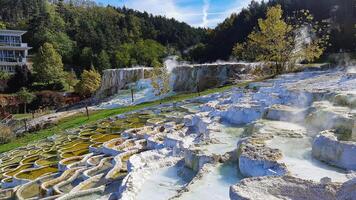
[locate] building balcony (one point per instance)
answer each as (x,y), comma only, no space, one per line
(12,59)
(14,46)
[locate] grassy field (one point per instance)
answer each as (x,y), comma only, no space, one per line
(80,119)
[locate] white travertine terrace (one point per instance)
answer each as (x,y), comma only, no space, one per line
(271,131)
(47,185)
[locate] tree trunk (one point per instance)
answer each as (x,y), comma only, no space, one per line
(278,69)
(132,95)
(25,121)
(87,111)
(25,108)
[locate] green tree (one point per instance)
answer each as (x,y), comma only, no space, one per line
(25,97)
(103,62)
(197,52)
(71,80)
(143,52)
(281,43)
(87,56)
(48,64)
(148,52)
(122,58)
(89,83)
(160,79)
(61,42)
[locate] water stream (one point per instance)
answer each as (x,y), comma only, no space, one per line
(215,184)
(225,139)
(163,183)
(297,156)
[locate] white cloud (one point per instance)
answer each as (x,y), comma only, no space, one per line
(236,7)
(205,13)
(166,8)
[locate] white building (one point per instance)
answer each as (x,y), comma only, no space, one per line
(12,51)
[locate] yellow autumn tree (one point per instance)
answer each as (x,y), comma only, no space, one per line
(160,79)
(283,44)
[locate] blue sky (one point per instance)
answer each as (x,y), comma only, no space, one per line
(199,13)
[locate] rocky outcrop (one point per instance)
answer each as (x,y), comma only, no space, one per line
(285,187)
(285,113)
(114,80)
(255,158)
(242,114)
(195,160)
(348,190)
(204,76)
(197,123)
(345,99)
(327,148)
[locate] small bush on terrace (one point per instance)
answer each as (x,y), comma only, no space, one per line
(6,134)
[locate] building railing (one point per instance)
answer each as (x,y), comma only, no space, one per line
(4,43)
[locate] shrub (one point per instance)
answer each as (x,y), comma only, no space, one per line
(89,83)
(48,99)
(6,134)
(4,75)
